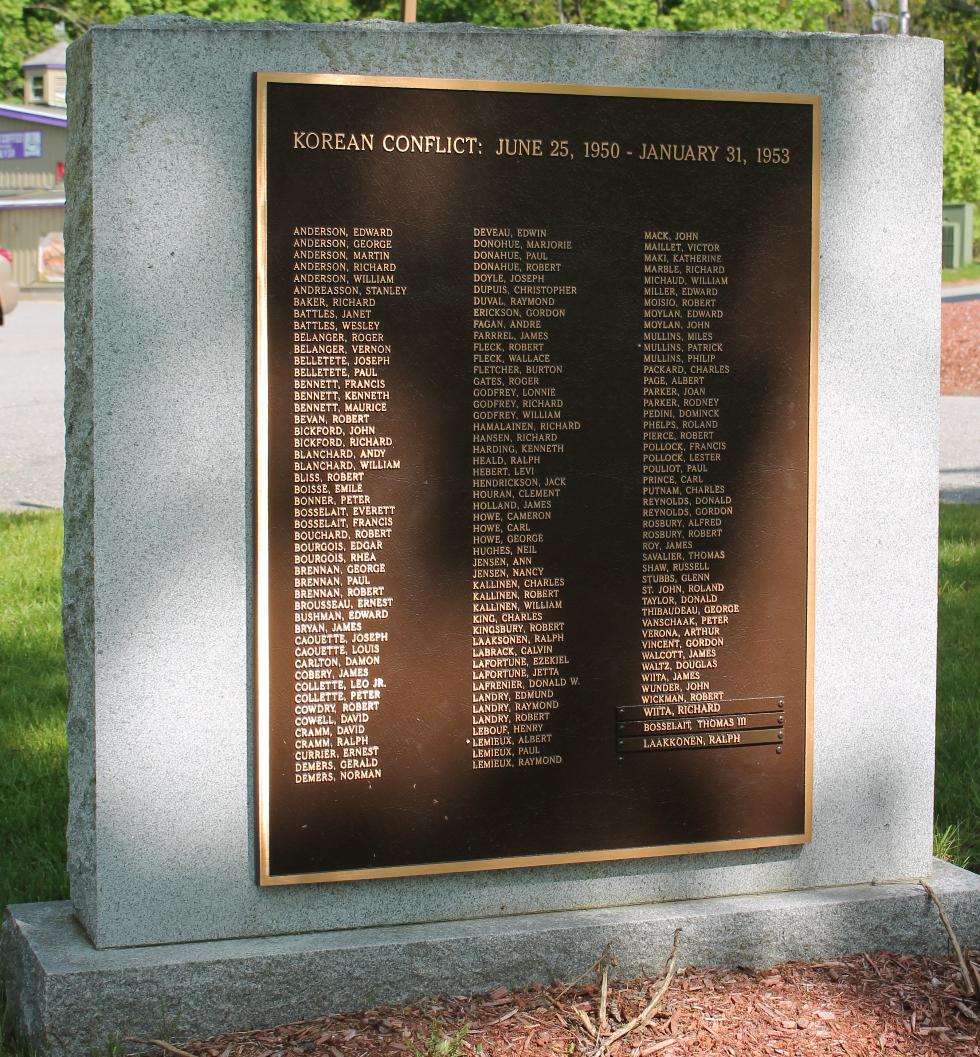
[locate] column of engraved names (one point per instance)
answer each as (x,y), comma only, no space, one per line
(686,508)
(340,398)
(519,425)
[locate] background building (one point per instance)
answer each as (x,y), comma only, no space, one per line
(33,136)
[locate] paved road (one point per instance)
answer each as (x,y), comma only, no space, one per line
(32,462)
(961,291)
(32,370)
(959,449)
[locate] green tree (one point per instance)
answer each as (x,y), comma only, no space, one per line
(961,147)
(957,24)
(799,15)
(485,12)
(26,28)
(23,32)
(639,14)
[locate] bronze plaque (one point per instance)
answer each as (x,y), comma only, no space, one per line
(535,471)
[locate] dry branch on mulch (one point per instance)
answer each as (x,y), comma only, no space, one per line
(881,1004)
(961,348)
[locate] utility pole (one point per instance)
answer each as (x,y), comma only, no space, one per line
(903,17)
(881,20)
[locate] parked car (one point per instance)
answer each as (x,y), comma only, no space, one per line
(9,290)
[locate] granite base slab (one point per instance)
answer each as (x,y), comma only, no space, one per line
(65,998)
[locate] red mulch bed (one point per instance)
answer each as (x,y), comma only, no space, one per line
(881,1004)
(961,348)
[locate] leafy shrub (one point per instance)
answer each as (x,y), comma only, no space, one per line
(961,147)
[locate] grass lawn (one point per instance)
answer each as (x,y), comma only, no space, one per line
(970,272)
(33,782)
(958,719)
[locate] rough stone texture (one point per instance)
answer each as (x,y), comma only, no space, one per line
(230,985)
(160,298)
(78,567)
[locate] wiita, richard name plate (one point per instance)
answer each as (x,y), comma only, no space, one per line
(535,473)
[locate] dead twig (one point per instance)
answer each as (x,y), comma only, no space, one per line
(604,1000)
(666,1042)
(644,1017)
(605,961)
(969,987)
(175,1050)
(975,969)
(586,1021)
(594,968)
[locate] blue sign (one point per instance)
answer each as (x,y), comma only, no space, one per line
(20,145)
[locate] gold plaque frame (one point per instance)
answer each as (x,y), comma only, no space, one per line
(261,524)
